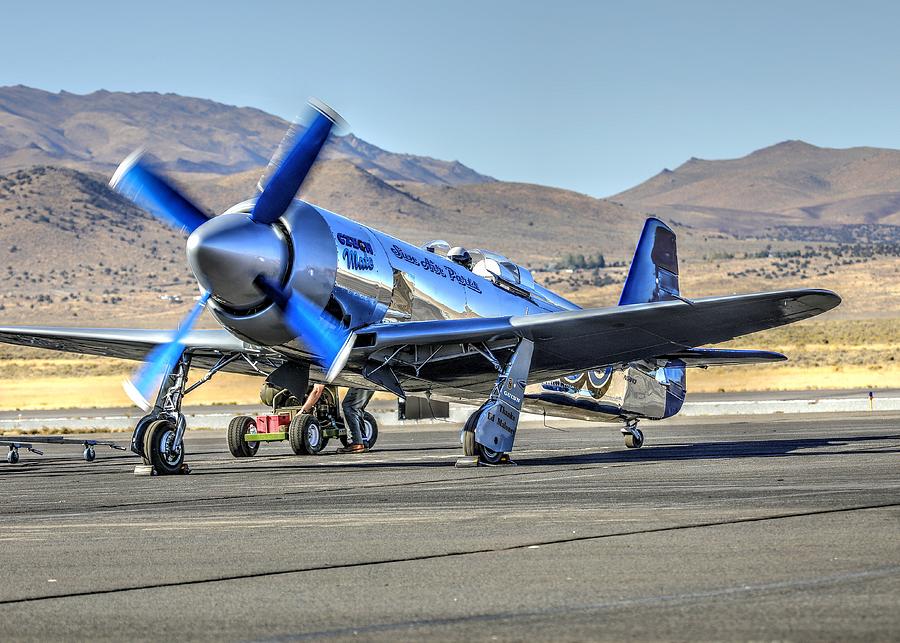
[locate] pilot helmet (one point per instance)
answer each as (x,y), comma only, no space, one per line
(461,256)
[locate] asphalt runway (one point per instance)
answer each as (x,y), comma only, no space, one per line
(777,527)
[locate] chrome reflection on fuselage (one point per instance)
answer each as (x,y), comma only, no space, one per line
(363,276)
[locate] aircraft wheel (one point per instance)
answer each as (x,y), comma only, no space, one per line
(472,448)
(237,429)
(89,454)
(140,431)
(160,448)
(489,456)
(306,435)
(369,431)
(468,435)
(13,456)
(634,439)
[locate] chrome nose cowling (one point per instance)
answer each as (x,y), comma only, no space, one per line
(230,251)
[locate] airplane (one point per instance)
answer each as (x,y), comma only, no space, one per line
(306,295)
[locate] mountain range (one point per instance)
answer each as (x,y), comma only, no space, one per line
(791,183)
(96,131)
(66,237)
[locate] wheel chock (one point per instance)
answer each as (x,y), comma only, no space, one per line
(150,470)
(467,461)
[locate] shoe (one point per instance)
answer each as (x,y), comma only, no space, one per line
(353,448)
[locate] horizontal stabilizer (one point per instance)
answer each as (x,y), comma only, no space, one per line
(703,357)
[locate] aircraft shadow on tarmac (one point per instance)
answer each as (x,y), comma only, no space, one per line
(728,450)
(696,451)
(330,460)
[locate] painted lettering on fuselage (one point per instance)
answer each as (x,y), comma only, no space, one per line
(356,260)
(355,244)
(433,266)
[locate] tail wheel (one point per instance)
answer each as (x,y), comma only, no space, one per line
(160,449)
(369,431)
(306,435)
(238,428)
(472,448)
(634,439)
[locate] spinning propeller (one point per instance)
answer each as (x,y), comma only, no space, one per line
(241,260)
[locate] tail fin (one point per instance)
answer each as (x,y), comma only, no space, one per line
(653,275)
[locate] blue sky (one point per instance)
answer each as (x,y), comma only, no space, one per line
(591,96)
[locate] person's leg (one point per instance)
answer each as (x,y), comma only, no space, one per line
(354,401)
(360,419)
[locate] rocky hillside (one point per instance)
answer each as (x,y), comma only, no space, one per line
(96,131)
(791,183)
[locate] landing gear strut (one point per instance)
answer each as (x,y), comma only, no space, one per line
(634,438)
(159,436)
(490,431)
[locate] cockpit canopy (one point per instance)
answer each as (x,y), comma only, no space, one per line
(502,271)
(490,265)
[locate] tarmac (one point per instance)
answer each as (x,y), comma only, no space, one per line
(778,527)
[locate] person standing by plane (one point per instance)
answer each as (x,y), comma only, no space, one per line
(354,404)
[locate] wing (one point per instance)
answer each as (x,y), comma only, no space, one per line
(206,346)
(451,352)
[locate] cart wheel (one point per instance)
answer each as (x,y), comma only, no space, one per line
(369,431)
(237,429)
(306,435)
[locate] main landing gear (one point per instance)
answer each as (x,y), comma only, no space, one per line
(472,448)
(634,437)
(490,431)
(159,436)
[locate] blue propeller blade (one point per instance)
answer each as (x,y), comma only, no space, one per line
(160,360)
(319,331)
(287,178)
(136,182)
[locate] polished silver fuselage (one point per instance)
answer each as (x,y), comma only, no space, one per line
(378,278)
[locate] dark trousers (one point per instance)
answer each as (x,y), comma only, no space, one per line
(354,402)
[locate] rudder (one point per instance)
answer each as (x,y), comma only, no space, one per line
(653,275)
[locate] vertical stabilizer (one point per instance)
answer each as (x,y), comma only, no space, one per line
(653,275)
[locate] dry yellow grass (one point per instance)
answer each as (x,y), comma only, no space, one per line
(63,392)
(106,390)
(792,378)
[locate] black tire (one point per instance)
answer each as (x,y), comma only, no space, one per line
(470,447)
(13,456)
(237,444)
(635,439)
(369,432)
(158,449)
(140,431)
(305,435)
(473,448)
